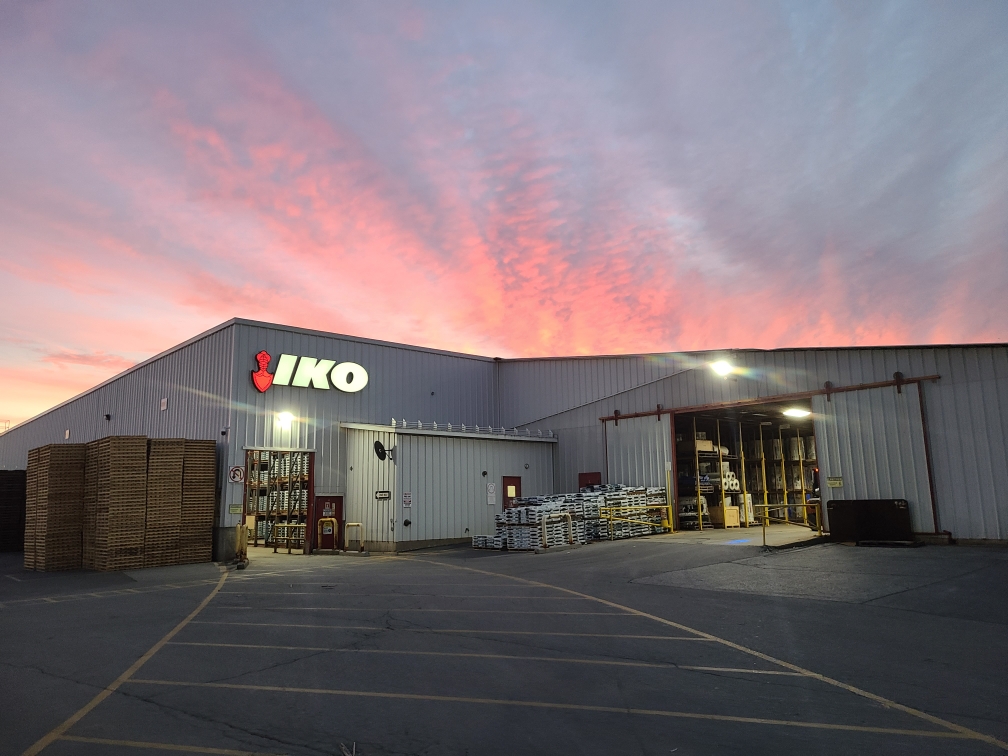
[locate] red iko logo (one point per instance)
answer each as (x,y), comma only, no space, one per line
(346,376)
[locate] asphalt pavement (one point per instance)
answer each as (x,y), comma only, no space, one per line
(652,646)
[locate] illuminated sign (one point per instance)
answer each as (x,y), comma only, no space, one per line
(292,370)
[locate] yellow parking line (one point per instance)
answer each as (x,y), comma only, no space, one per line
(159,746)
(337,594)
(945,734)
(961,730)
(453,630)
(58,732)
(227,607)
(507,657)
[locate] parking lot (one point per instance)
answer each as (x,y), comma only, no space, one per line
(651,646)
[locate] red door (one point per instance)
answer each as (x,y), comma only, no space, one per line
(511,490)
(328,506)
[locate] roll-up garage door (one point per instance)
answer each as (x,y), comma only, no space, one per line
(870,445)
(638,451)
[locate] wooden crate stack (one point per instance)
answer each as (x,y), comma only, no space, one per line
(54,507)
(31,503)
(12,509)
(164,501)
(121,503)
(90,505)
(199,482)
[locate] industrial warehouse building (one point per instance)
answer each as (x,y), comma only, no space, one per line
(422,446)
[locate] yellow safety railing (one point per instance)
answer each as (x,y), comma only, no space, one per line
(614,513)
(558,517)
(346,527)
(816,505)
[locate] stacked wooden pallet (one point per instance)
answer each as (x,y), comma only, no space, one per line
(12,509)
(164,501)
(54,507)
(199,480)
(90,505)
(121,503)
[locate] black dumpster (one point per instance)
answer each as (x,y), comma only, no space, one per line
(860,520)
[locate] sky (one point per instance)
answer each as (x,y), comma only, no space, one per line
(506,179)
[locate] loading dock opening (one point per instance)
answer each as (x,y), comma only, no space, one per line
(746,466)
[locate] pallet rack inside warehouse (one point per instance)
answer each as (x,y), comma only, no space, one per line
(278,485)
(785,481)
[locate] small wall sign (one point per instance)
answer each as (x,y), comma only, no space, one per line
(491,495)
(236,474)
(407,499)
(834,482)
(383,495)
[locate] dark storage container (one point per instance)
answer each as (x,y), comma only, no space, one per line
(870,520)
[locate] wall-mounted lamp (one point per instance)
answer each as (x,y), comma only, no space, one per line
(722,368)
(284,419)
(108,417)
(796,412)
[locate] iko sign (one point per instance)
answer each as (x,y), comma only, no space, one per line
(292,370)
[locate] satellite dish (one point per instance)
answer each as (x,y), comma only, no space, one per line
(379,450)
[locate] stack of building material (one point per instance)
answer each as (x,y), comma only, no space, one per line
(520,527)
(55,507)
(164,501)
(12,510)
(121,503)
(199,479)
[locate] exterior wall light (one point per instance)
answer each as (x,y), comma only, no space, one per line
(285,419)
(722,368)
(797,412)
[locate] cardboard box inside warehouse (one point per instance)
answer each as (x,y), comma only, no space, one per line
(294,415)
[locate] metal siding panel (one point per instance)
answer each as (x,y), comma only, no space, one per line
(638,451)
(400,383)
(873,439)
(449,492)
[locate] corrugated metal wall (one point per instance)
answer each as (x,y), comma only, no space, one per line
(532,389)
(444,475)
(967,414)
(967,410)
(874,441)
(194,377)
(367,474)
(639,451)
(404,382)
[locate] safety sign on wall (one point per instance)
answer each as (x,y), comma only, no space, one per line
(236,474)
(491,495)
(407,499)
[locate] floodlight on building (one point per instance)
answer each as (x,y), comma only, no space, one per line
(722,368)
(284,419)
(797,412)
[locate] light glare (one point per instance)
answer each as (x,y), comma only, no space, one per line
(797,412)
(285,419)
(721,367)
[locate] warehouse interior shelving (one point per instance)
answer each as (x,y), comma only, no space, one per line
(278,494)
(745,466)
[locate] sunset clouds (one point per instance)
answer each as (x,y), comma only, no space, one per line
(503,179)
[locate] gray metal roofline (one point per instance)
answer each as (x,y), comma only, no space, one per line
(359,339)
(452,433)
(737,350)
(127,371)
